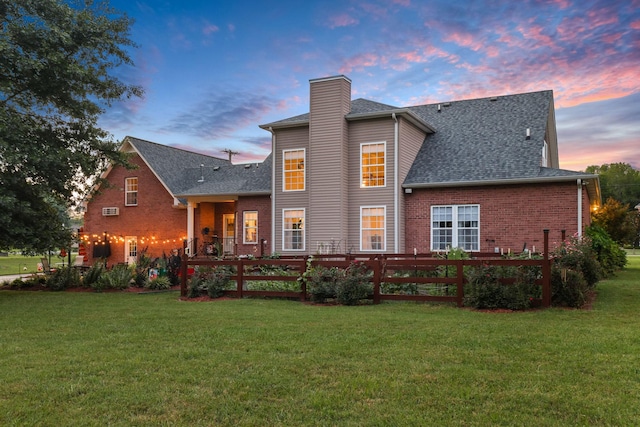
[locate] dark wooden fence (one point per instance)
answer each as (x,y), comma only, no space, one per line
(383,268)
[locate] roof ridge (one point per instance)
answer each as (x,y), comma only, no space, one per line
(482,98)
(164,146)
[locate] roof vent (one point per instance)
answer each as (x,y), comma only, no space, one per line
(247,166)
(447,104)
(439,108)
(528,133)
(201,173)
(216,168)
(493,98)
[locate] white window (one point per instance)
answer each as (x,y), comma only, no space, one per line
(293,170)
(372,164)
(250,221)
(293,229)
(372,228)
(131,192)
(545,149)
(456,226)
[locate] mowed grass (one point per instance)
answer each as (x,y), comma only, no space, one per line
(126,359)
(19,264)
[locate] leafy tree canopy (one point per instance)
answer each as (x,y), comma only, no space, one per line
(616,219)
(619,181)
(57,60)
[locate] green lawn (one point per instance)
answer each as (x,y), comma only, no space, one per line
(125,359)
(19,264)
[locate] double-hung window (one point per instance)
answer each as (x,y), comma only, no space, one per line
(293,229)
(293,170)
(131,191)
(372,228)
(455,226)
(250,221)
(372,164)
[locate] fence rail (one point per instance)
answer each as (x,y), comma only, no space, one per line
(382,267)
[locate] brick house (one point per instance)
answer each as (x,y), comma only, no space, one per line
(357,176)
(175,196)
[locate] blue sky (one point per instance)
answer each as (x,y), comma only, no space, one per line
(213,71)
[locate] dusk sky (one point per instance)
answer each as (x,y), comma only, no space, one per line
(213,71)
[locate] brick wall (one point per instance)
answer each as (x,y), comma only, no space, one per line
(154,216)
(510,215)
(262,204)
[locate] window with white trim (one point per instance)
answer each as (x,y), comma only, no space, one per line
(131,191)
(372,228)
(545,149)
(293,178)
(293,229)
(250,227)
(455,226)
(372,164)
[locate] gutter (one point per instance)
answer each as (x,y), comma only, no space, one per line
(273,190)
(510,181)
(396,195)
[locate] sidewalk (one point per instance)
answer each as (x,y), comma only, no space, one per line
(12,277)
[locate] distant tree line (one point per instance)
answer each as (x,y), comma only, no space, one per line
(620,213)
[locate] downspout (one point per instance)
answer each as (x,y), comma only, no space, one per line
(190,224)
(579,208)
(273,190)
(396,202)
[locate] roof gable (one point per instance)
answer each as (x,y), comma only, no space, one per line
(482,139)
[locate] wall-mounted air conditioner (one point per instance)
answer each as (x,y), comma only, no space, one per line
(110,211)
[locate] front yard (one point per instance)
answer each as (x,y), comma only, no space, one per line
(151,359)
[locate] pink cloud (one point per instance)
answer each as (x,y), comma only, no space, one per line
(635,25)
(359,62)
(209,29)
(342,20)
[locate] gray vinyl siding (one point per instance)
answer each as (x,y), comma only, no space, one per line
(411,139)
(379,130)
(289,139)
(327,159)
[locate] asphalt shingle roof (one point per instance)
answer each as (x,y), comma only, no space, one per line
(180,171)
(482,139)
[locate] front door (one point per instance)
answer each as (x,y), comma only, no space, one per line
(131,249)
(228,233)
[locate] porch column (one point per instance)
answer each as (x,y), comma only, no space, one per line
(190,224)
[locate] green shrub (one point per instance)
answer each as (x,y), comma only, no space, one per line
(484,289)
(92,275)
(159,283)
(399,288)
(355,285)
(141,279)
(609,254)
(568,288)
(195,288)
(63,278)
(119,277)
(218,281)
(576,254)
(322,282)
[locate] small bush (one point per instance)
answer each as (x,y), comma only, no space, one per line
(609,254)
(568,288)
(322,282)
(159,283)
(484,289)
(195,288)
(577,254)
(92,275)
(217,281)
(63,278)
(119,277)
(355,285)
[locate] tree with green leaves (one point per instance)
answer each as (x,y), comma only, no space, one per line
(617,220)
(57,63)
(619,181)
